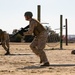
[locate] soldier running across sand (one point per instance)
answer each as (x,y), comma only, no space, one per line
(5,41)
(39,42)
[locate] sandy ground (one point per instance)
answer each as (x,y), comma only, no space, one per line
(23,61)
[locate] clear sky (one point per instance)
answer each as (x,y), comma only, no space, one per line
(12,11)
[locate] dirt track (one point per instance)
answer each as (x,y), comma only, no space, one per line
(23,61)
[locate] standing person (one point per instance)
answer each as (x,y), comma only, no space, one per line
(4,36)
(39,42)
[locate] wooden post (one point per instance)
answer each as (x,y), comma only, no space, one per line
(61,24)
(66,31)
(39,13)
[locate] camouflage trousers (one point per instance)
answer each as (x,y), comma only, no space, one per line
(5,42)
(38,44)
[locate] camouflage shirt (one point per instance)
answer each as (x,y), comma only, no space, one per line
(34,28)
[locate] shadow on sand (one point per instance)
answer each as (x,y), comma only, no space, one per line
(52,65)
(17,54)
(20,54)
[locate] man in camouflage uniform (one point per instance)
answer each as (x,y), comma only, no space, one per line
(39,42)
(5,41)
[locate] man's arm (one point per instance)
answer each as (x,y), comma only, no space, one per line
(25,29)
(31,28)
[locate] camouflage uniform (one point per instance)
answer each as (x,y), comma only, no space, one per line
(39,42)
(5,41)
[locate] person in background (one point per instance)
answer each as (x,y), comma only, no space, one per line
(5,41)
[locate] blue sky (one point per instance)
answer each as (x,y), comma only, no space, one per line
(12,11)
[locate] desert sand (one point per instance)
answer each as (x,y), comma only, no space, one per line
(23,61)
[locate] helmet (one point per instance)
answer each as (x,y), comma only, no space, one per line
(28,14)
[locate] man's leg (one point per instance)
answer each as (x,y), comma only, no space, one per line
(41,46)
(5,48)
(7,44)
(3,45)
(42,39)
(33,46)
(37,47)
